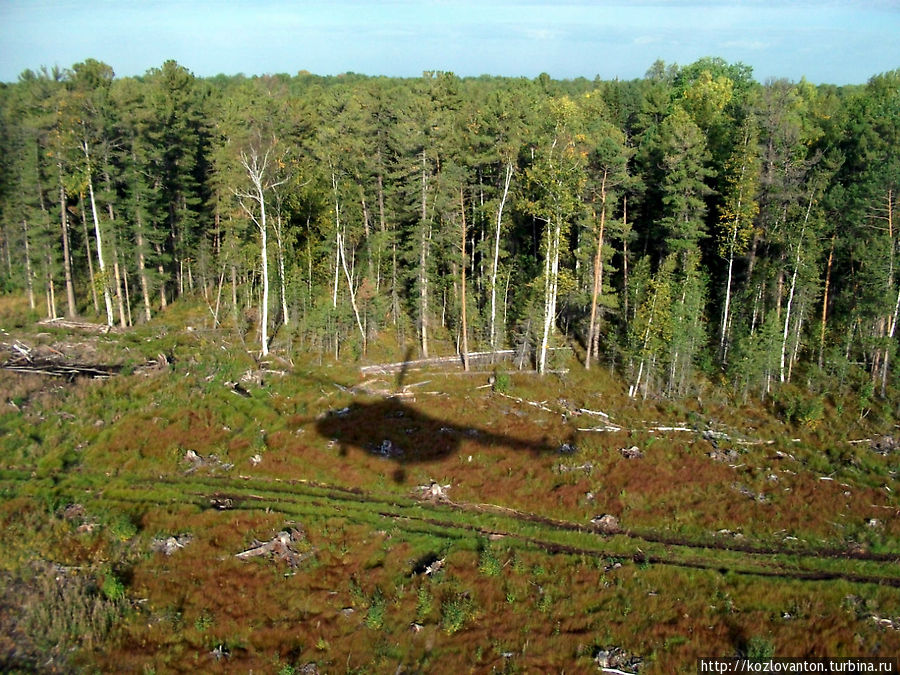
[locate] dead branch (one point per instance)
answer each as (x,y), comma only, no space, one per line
(169,545)
(68,371)
(608,427)
(595,413)
(281,546)
(434,492)
(535,404)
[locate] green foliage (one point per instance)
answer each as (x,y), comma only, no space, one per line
(203,622)
(456,612)
(799,407)
(121,526)
(377,608)
(502,382)
(424,602)
(112,587)
(759,647)
(488,562)
(376,167)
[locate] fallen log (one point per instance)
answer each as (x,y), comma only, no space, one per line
(77,325)
(385,368)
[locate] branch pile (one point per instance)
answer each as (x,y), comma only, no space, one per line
(168,545)
(53,361)
(49,361)
(195,461)
(282,546)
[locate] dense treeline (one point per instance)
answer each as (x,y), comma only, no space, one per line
(691,224)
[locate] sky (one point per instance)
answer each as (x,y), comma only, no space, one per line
(829,41)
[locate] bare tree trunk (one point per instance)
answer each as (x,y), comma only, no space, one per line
(123,321)
(395,297)
(787,313)
(825,303)
(494,268)
(506,296)
(256,166)
(593,341)
(142,268)
(106,296)
(381,224)
(67,256)
(625,232)
(551,283)
(279,242)
(115,253)
(234,293)
(423,258)
(462,281)
(633,389)
(723,343)
(162,279)
(29,276)
(367,231)
(892,321)
(264,259)
(51,290)
(343,257)
(337,240)
(90,255)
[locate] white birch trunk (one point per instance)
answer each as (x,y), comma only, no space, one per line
(29,276)
(496,264)
(423,259)
(343,258)
(107,299)
(256,167)
(787,313)
(593,337)
(551,268)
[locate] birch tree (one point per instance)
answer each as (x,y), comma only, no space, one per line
(257,161)
(556,180)
(736,220)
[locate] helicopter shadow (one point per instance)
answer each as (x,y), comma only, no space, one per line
(397,431)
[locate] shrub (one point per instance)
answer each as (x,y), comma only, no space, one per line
(112,588)
(456,612)
(759,648)
(65,610)
(488,563)
(502,381)
(375,616)
(424,602)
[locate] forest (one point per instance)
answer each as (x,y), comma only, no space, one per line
(691,226)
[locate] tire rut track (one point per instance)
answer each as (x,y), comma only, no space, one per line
(242,493)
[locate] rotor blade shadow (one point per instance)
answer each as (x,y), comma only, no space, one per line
(398,431)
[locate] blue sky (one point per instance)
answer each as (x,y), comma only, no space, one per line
(834,41)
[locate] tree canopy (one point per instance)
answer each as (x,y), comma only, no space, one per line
(692,225)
